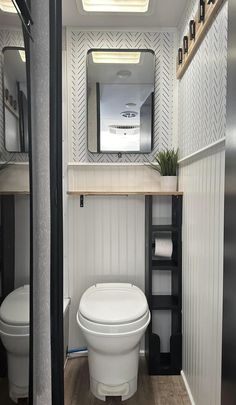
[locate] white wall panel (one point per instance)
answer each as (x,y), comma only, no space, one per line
(106,242)
(203,209)
(112,178)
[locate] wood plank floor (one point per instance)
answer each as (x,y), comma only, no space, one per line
(4,396)
(154,390)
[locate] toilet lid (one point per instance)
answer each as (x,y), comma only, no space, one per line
(113,303)
(15,308)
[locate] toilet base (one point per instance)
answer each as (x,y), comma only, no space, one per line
(125,390)
(16,393)
(18,376)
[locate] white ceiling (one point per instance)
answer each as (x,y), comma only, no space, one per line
(165,13)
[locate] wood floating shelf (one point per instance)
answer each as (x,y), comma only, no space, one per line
(111,193)
(201,29)
(14,192)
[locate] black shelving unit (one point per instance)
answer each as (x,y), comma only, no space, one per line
(164,363)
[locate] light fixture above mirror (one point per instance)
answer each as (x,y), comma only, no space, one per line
(116,57)
(116,6)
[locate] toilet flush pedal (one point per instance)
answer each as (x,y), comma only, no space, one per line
(113,391)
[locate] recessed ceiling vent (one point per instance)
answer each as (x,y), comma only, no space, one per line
(124,129)
(129,114)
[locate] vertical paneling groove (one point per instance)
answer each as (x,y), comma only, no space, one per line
(203,184)
(106,244)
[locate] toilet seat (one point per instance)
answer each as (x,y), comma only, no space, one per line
(14,313)
(113,309)
(120,329)
(13,330)
(113,304)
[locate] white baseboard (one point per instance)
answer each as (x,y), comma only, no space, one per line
(85,354)
(188,388)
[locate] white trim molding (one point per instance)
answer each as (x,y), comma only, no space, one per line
(198,154)
(187,388)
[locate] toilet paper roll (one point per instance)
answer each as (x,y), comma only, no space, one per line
(163,247)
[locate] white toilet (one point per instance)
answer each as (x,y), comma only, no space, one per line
(113,318)
(14,333)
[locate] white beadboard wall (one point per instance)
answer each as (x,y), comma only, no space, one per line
(112,177)
(203,219)
(106,243)
(202,121)
(106,240)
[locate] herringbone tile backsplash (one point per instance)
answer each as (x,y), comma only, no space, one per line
(78,44)
(202,91)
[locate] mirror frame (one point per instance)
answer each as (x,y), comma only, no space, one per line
(22,137)
(98,109)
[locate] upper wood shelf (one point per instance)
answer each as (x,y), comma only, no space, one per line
(201,30)
(14,192)
(111,193)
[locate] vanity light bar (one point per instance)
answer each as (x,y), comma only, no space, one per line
(7,6)
(116,57)
(22,55)
(116,6)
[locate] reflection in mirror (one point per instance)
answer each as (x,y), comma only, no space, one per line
(15,100)
(14,214)
(120,94)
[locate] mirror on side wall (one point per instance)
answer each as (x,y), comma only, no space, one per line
(15,99)
(120,100)
(15,269)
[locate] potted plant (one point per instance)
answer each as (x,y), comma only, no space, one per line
(166,163)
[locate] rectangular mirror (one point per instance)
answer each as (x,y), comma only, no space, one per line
(120,100)
(15,100)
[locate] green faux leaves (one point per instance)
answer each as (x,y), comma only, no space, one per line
(166,162)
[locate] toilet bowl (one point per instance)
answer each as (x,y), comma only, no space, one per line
(113,318)
(14,333)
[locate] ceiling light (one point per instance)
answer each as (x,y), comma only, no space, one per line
(7,6)
(130,105)
(22,55)
(116,57)
(116,6)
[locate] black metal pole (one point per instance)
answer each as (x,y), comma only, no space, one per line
(27,50)
(56,202)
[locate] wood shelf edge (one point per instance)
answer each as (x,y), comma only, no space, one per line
(114,193)
(13,192)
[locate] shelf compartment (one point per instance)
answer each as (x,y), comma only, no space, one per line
(163,302)
(158,264)
(164,228)
(165,363)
